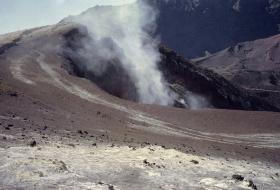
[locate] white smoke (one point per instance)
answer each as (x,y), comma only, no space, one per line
(123,32)
(195,101)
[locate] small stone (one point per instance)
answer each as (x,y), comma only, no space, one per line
(194,161)
(71,145)
(111,187)
(252,185)
(63,166)
(237,177)
(145,161)
(13,94)
(33,143)
(41,174)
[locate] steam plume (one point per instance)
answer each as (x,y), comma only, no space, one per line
(123,33)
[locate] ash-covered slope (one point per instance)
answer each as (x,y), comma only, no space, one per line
(254,66)
(192,27)
(134,75)
(102,59)
(60,130)
(194,87)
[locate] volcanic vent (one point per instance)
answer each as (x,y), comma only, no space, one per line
(108,74)
(115,50)
(128,63)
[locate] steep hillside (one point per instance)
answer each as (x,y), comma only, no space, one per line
(60,130)
(192,27)
(254,66)
(63,126)
(197,88)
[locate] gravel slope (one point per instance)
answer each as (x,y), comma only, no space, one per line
(88,139)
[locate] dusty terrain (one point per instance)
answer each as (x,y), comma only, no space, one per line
(253,65)
(59,131)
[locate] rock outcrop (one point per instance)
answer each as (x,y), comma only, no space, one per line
(218,90)
(192,84)
(253,66)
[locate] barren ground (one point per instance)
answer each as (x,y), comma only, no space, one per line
(87,139)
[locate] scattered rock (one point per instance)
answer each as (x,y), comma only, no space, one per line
(252,185)
(237,177)
(4,138)
(151,164)
(41,174)
(94,144)
(13,94)
(111,187)
(63,166)
(71,145)
(7,128)
(80,132)
(145,161)
(194,161)
(33,143)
